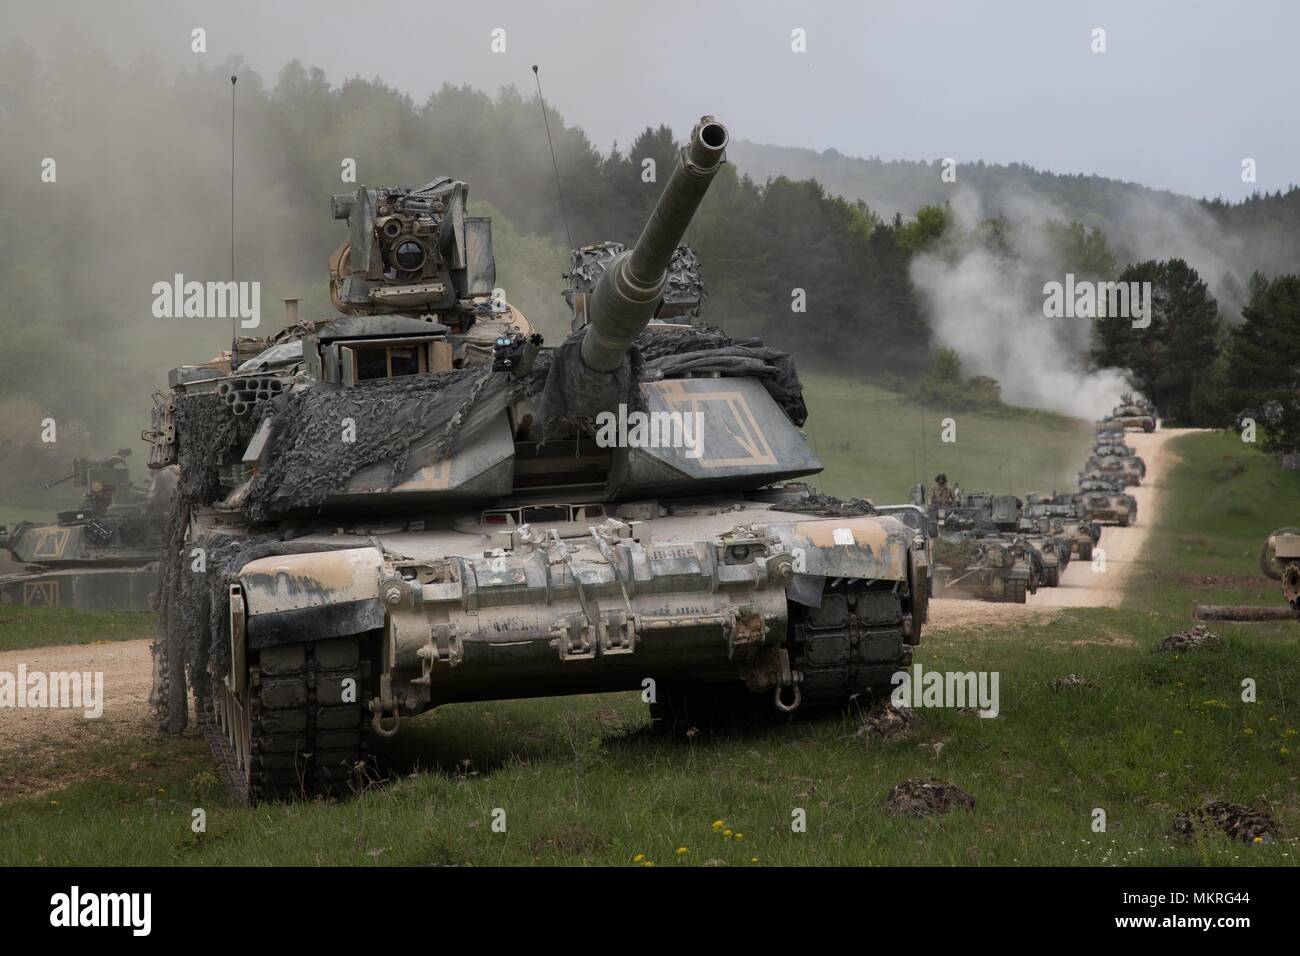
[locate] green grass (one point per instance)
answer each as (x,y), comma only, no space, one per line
(876,444)
(581,780)
(23,627)
(1227,498)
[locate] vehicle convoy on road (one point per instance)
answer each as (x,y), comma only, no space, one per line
(417,502)
(100,556)
(1280,560)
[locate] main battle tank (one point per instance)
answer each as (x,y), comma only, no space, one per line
(418,502)
(101,556)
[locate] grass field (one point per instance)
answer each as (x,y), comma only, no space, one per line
(22,627)
(875,444)
(582,780)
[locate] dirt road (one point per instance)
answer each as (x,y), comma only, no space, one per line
(1081,585)
(126,666)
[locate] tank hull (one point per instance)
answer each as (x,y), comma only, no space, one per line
(83,588)
(788,609)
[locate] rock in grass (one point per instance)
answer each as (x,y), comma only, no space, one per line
(928,798)
(887,722)
(1198,635)
(1071,680)
(1241,823)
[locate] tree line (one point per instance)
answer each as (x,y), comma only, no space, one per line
(143,192)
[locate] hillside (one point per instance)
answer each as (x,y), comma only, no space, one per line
(876,444)
(1262,232)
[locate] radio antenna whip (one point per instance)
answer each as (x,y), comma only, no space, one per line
(234,327)
(558,188)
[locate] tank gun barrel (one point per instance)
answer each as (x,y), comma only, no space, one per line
(75,473)
(631,286)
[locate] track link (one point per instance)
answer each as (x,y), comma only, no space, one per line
(302,731)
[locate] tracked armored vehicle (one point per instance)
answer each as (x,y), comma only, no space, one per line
(1068,517)
(1130,413)
(100,556)
(419,502)
(1047,538)
(1112,445)
(1126,469)
(1105,501)
(978,554)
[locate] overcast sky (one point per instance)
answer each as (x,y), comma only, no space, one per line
(1183,93)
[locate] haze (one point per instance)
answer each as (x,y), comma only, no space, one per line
(1184,92)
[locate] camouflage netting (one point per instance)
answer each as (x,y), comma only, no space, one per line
(306,461)
(706,349)
(828,506)
(307,458)
(573,395)
(957,553)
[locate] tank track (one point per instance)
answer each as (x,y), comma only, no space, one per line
(295,736)
(850,647)
(1015,591)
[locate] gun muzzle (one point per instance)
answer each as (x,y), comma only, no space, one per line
(630,288)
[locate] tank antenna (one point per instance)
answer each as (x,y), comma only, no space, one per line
(234,333)
(558,188)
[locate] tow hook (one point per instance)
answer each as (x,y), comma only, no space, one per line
(781,705)
(377,721)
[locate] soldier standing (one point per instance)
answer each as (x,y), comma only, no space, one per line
(940,493)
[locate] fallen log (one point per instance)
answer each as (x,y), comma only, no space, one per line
(1242,612)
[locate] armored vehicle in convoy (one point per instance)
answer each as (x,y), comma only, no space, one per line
(978,554)
(1105,501)
(1047,537)
(101,556)
(1111,446)
(1128,470)
(419,502)
(1133,412)
(1068,516)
